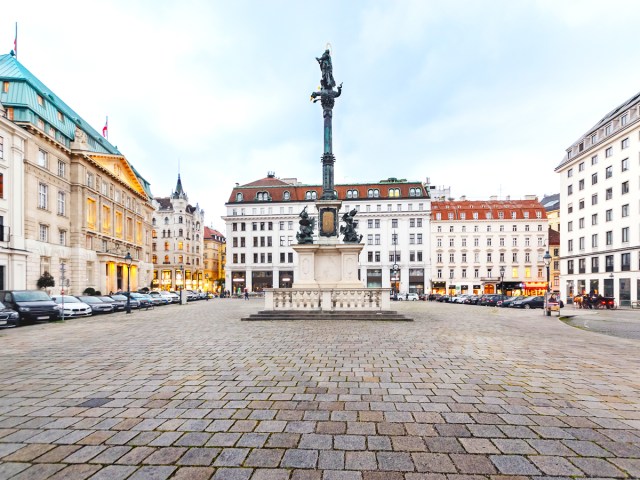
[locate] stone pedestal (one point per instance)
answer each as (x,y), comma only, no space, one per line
(328,266)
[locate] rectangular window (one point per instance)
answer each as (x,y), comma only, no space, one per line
(419,239)
(594,159)
(594,199)
(62,168)
(608,152)
(412,239)
(625,235)
(581,167)
(594,219)
(624,165)
(370,239)
(609,215)
(581,184)
(624,143)
(62,203)
(609,193)
(594,178)
(43,158)
(43,196)
(609,238)
(44,233)
(582,265)
(625,187)
(569,267)
(570,245)
(394,223)
(376,239)
(594,240)
(625,210)
(581,222)
(581,243)
(625,262)
(62,237)
(608,172)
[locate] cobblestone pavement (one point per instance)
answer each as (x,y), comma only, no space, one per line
(190,392)
(624,323)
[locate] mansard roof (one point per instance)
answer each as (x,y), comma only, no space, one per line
(486,209)
(276,188)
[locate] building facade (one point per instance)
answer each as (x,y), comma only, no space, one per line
(488,247)
(13,255)
(262,222)
(214,259)
(178,243)
(85,206)
(600,199)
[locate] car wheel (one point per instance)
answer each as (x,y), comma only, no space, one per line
(527,307)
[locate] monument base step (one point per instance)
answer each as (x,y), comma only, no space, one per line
(341,315)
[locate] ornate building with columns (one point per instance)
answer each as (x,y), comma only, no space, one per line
(178,243)
(85,206)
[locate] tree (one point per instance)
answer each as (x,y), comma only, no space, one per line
(46,281)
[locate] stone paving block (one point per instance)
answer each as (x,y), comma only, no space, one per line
(28,452)
(331,460)
(135,456)
(360,461)
(395,461)
(337,475)
(629,465)
(555,466)
(264,458)
(349,442)
(232,474)
(110,455)
(252,440)
(271,474)
(513,446)
(332,428)
(514,465)
(164,456)
(85,454)
(41,471)
(152,473)
(199,456)
(388,476)
(231,457)
(283,440)
(223,439)
(316,441)
(550,447)
(444,445)
(121,438)
(306,475)
(193,439)
(473,464)
(298,458)
(75,472)
(433,463)
(478,445)
(452,430)
(597,467)
(9,469)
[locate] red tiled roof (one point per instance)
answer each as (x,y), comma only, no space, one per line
(554,237)
(276,189)
(486,209)
(210,232)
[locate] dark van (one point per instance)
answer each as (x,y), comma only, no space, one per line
(31,305)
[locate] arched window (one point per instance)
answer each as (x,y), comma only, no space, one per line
(166,259)
(394,192)
(166,220)
(286,196)
(239,197)
(354,193)
(376,193)
(198,225)
(197,237)
(166,246)
(314,195)
(180,219)
(370,193)
(154,258)
(154,234)
(153,222)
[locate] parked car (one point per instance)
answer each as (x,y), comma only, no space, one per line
(508,302)
(529,302)
(191,295)
(123,298)
(471,299)
(118,305)
(492,300)
(173,297)
(144,301)
(444,298)
(408,296)
(158,299)
(97,305)
(31,305)
(71,307)
(8,317)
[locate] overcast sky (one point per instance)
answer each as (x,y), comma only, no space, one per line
(481,96)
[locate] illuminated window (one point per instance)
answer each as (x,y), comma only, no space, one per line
(91,213)
(119,224)
(106,219)
(180,246)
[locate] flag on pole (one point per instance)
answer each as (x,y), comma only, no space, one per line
(105,129)
(15,42)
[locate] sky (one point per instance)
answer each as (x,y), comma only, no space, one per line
(479,96)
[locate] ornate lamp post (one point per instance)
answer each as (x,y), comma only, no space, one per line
(547,262)
(128,260)
(502,279)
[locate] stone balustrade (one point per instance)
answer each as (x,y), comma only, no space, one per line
(334,299)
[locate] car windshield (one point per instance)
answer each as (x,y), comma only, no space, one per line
(31,296)
(106,299)
(90,299)
(67,299)
(118,297)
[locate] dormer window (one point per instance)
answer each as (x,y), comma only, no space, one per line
(40,100)
(607,129)
(624,119)
(373,193)
(352,193)
(394,193)
(286,195)
(239,197)
(415,192)
(311,195)
(262,196)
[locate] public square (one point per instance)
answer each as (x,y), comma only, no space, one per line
(192,392)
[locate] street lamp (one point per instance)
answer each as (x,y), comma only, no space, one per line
(128,259)
(502,279)
(547,262)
